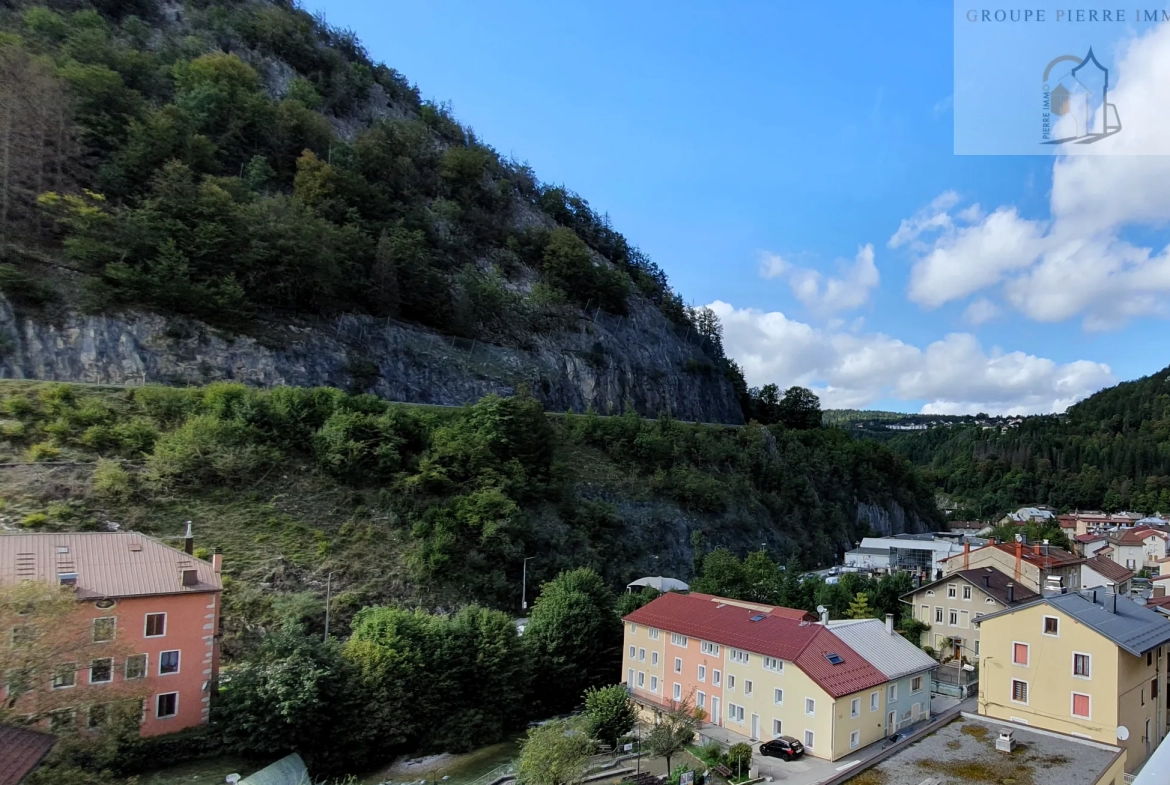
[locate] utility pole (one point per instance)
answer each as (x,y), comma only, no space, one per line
(524,584)
(328,599)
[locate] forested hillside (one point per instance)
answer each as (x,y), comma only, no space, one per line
(431,506)
(1110,451)
(247,166)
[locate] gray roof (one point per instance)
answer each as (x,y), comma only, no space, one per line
(660,583)
(870,551)
(1134,628)
(893,655)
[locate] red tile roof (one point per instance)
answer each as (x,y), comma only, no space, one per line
(1159,602)
(771,610)
(21,751)
(1044,556)
(1136,536)
(774,635)
(107,564)
(1107,568)
(1089,537)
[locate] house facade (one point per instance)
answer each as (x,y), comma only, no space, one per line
(1032,565)
(759,672)
(953,605)
(1086,664)
(147,616)
(1138,549)
(1101,571)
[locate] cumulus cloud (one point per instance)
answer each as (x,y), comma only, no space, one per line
(1077,263)
(850,290)
(827,294)
(980,312)
(852,370)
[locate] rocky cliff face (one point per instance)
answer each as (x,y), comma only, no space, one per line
(640,359)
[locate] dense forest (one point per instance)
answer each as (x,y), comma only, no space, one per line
(1109,452)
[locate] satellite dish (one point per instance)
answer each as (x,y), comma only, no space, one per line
(1019,538)
(1122,732)
(821,609)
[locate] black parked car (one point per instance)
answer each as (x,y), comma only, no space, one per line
(782,747)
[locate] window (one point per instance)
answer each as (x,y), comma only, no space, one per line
(778,697)
(652,634)
(735,713)
(701,700)
(1153,688)
(747,688)
(774,664)
(136,666)
(1130,564)
(653,684)
(810,707)
(926,614)
(855,707)
(916,685)
(951,588)
(1082,665)
(1080,705)
(952,617)
(104,628)
(641,678)
(678,640)
(731,681)
(715,678)
(156,625)
(678,665)
(737,655)
(1149,658)
(710,648)
(654,658)
(64,676)
(633,629)
(892,693)
(874,697)
(633,652)
(930,592)
(808,739)
(97,716)
(1019,691)
(630,677)
(702,673)
(938,617)
(167,705)
(777,728)
(677,691)
(965,619)
(61,720)
(168,662)
(989,601)
(101,671)
(854,739)
(1020,654)
(976,647)
(641,655)
(1051,625)
(966,592)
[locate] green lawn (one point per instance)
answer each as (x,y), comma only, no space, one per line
(209,771)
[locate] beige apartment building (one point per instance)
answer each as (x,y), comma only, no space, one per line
(1089,664)
(953,605)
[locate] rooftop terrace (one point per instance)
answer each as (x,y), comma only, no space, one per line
(964,751)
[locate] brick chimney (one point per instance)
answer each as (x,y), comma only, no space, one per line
(1035,549)
(217,561)
(1019,557)
(966,554)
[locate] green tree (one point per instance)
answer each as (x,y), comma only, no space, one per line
(739,757)
(278,701)
(633,600)
(800,409)
(610,713)
(860,608)
(554,753)
(674,730)
(573,637)
(723,575)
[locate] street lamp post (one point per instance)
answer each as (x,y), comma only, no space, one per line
(524,584)
(328,602)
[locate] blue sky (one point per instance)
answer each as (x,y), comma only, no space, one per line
(729,138)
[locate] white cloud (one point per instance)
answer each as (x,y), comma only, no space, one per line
(827,295)
(1078,263)
(772,265)
(980,312)
(851,370)
(850,290)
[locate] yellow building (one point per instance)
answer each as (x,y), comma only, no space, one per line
(761,672)
(1089,664)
